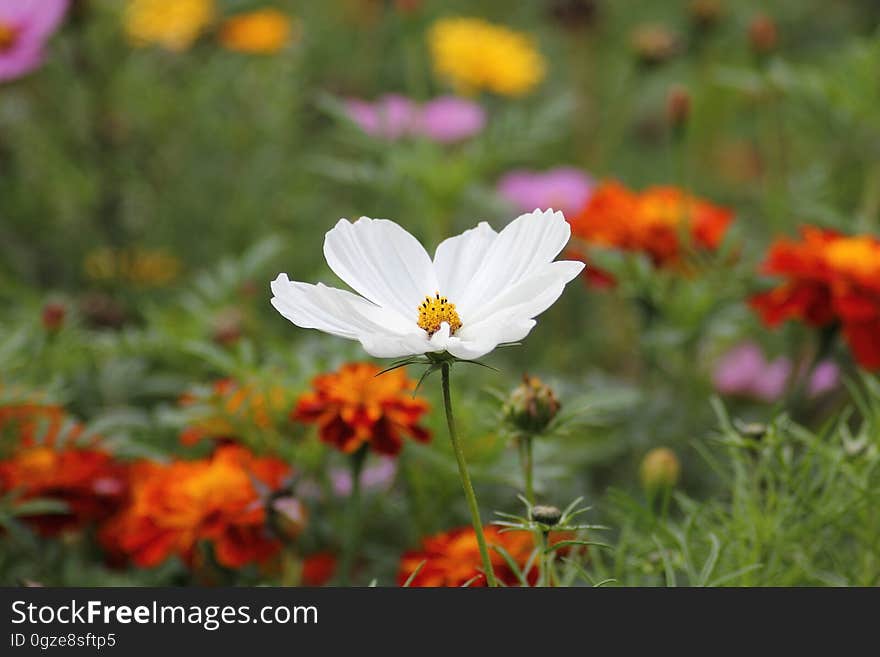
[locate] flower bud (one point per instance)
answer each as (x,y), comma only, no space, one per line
(531,406)
(705,14)
(660,469)
(546,515)
(228,327)
(288,516)
(53,316)
(678,106)
(653,44)
(752,430)
(763,35)
(574,14)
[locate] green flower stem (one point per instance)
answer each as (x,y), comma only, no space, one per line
(466,479)
(352,517)
(542,558)
(527,461)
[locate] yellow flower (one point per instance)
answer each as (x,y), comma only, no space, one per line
(142,267)
(172,24)
(261,32)
(473,55)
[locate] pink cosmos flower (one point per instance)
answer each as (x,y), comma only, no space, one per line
(391,117)
(445,119)
(377,476)
(564,188)
(449,119)
(25,26)
(744,371)
(825,378)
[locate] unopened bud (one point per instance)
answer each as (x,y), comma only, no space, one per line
(288,516)
(653,44)
(574,14)
(660,469)
(228,326)
(53,316)
(546,515)
(531,406)
(763,35)
(678,106)
(753,430)
(705,14)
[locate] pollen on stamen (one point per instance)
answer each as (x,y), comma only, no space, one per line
(434,311)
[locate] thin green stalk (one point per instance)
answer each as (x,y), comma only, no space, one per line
(543,574)
(527,461)
(466,479)
(352,517)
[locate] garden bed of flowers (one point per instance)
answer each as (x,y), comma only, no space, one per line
(421,293)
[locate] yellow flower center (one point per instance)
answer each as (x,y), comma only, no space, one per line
(859,256)
(434,311)
(8,35)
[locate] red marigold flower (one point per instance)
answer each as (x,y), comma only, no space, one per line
(828,278)
(651,221)
(353,407)
(318,569)
(174,506)
(52,459)
(231,409)
(453,558)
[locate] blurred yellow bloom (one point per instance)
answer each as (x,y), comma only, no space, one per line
(474,55)
(172,24)
(144,267)
(261,32)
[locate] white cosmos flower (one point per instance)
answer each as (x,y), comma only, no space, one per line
(482,288)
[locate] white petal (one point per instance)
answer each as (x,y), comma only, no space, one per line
(522,248)
(441,337)
(524,300)
(381,261)
(392,346)
(498,333)
(458,258)
(469,350)
(333,311)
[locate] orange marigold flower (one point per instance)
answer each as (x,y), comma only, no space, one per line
(353,407)
(453,558)
(230,409)
(261,32)
(651,222)
(174,506)
(52,459)
(829,278)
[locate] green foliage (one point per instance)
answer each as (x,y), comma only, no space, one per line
(234,166)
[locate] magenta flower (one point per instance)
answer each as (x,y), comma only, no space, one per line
(564,188)
(449,119)
(390,117)
(745,372)
(377,476)
(825,378)
(25,26)
(444,120)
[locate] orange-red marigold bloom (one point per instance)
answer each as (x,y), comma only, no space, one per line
(52,459)
(453,558)
(353,407)
(829,278)
(174,506)
(652,221)
(318,569)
